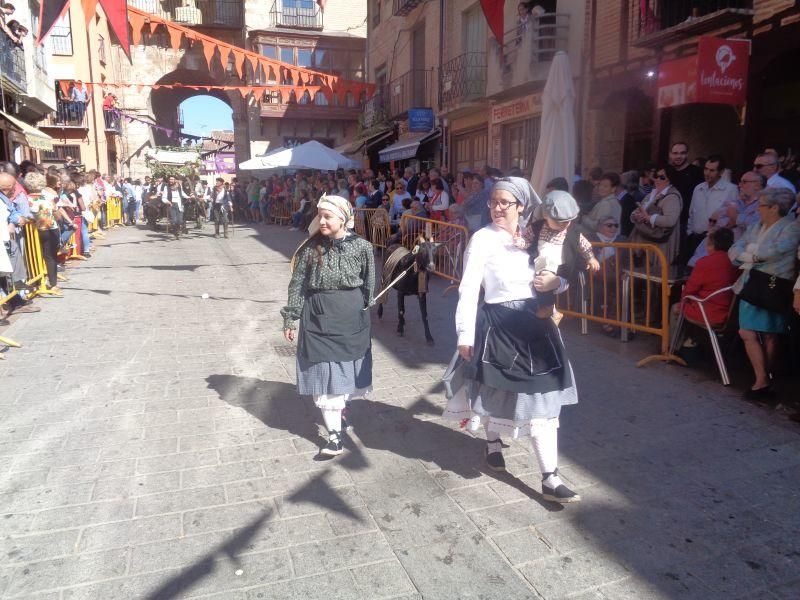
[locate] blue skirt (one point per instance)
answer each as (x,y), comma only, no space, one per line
(754,318)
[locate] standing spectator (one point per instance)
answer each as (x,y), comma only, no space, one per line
(476,205)
(43,207)
(412,179)
(746,209)
(630,197)
(375,195)
(657,220)
(647,179)
(684,177)
(79,98)
(767,165)
(708,197)
(400,195)
(435,174)
(440,200)
(769,247)
(135,207)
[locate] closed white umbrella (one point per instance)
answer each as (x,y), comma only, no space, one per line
(256,163)
(311,155)
(555,156)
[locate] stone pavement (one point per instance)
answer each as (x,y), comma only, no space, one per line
(152,446)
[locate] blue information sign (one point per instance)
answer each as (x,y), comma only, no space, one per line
(420,119)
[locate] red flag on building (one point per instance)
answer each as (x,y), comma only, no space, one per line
(493,10)
(50,12)
(117,14)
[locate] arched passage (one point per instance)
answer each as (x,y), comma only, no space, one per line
(165,103)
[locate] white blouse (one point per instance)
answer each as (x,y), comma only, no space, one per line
(503,270)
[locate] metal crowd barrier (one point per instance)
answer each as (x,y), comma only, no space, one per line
(34,262)
(631,291)
(114,211)
(451,242)
(280,210)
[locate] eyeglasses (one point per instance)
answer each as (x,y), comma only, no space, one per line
(501,204)
(762,205)
(661,177)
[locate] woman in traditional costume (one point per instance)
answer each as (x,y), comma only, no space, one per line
(331,288)
(511,373)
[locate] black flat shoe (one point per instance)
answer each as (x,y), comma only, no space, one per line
(560,493)
(495,460)
(334,446)
(764,393)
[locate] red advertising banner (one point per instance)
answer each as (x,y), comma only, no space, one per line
(722,67)
(717,74)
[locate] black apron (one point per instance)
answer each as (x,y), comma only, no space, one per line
(334,327)
(517,351)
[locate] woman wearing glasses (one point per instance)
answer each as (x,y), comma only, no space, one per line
(511,373)
(656,220)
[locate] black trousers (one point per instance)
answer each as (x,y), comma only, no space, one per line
(49,240)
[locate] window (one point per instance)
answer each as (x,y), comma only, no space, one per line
(303,57)
(60,37)
(320,99)
(101,49)
(287,55)
(322,60)
(520,140)
(269,51)
(60,153)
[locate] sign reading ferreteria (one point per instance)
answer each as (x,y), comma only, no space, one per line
(717,74)
(526,106)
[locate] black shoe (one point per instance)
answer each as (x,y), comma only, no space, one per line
(495,460)
(334,445)
(764,393)
(560,493)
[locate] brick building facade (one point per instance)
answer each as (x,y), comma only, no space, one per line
(627,42)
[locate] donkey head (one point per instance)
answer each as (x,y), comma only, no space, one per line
(424,253)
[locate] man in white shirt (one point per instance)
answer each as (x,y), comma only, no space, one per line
(708,197)
(767,165)
(172,194)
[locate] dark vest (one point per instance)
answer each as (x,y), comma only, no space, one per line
(571,259)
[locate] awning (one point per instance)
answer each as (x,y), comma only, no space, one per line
(379,137)
(350,147)
(407,148)
(358,144)
(173,157)
(36,139)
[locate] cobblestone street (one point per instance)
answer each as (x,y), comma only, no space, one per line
(153,446)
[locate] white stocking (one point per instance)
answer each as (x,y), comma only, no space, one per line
(545,445)
(332,418)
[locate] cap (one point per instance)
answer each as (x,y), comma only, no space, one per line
(560,206)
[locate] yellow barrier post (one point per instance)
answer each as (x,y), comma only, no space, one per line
(616,290)
(34,261)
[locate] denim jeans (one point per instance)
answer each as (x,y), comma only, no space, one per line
(86,243)
(296,218)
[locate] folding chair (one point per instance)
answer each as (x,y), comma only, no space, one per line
(714,331)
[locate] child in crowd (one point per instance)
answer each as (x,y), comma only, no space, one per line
(556,248)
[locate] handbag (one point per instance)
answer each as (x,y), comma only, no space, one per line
(767,291)
(88,216)
(654,233)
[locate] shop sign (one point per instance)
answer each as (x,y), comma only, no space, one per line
(222,162)
(517,109)
(420,119)
(717,74)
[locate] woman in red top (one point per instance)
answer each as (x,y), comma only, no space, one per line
(712,273)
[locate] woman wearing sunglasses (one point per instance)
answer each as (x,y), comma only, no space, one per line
(656,220)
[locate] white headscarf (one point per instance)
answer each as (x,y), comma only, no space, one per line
(339,206)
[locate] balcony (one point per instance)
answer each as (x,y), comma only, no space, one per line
(402,8)
(392,100)
(525,57)
(205,13)
(659,22)
(276,106)
(12,65)
(296,14)
(61,40)
(462,80)
(68,115)
(113,121)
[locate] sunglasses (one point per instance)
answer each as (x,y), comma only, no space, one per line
(712,221)
(661,177)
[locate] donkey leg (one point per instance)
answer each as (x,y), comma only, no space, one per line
(423,309)
(401,312)
(380,311)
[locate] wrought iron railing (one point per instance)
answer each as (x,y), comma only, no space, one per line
(207,13)
(12,63)
(66,114)
(548,34)
(296,14)
(463,79)
(376,108)
(61,40)
(656,15)
(410,90)
(401,8)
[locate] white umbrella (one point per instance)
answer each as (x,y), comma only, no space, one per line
(311,155)
(256,163)
(555,156)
